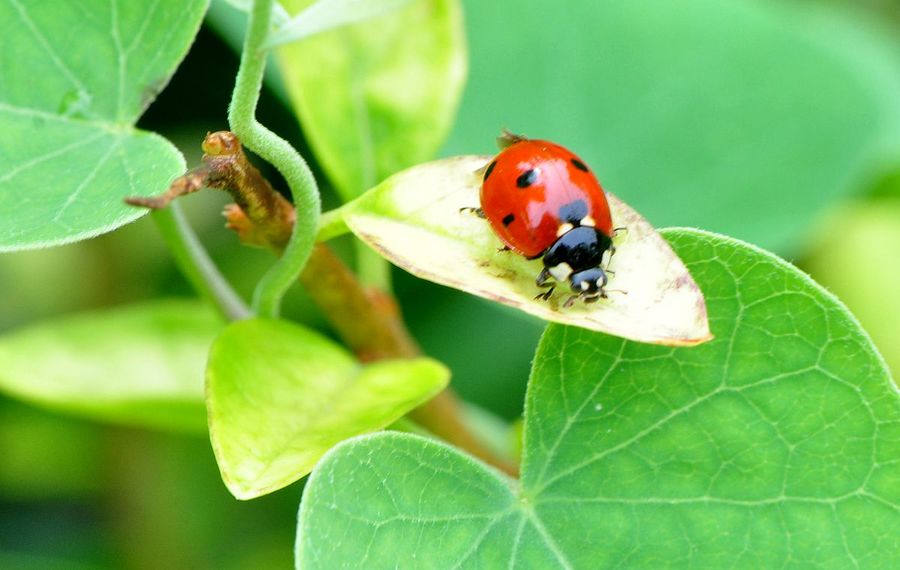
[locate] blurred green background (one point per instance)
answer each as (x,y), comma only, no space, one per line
(775,122)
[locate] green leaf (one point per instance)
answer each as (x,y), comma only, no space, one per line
(69,151)
(414,219)
(139,365)
(279,396)
(742,117)
(775,445)
(326,15)
(380,96)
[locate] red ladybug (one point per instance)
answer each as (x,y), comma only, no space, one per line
(543,201)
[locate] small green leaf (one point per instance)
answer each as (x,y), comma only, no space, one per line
(775,445)
(326,15)
(279,396)
(140,365)
(380,96)
(414,219)
(68,150)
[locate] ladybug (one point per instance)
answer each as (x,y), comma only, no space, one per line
(543,201)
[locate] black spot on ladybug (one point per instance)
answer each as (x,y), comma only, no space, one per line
(508,219)
(489,169)
(527,178)
(579,165)
(573,212)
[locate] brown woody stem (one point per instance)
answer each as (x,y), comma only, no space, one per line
(367,319)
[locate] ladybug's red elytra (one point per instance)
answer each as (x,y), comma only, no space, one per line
(543,201)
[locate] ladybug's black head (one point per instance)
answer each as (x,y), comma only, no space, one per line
(588,285)
(576,257)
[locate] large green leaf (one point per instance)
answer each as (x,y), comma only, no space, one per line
(743,117)
(280,396)
(775,445)
(378,96)
(140,365)
(76,77)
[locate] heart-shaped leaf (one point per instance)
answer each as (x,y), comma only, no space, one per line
(279,396)
(140,365)
(76,76)
(379,96)
(414,219)
(743,117)
(777,444)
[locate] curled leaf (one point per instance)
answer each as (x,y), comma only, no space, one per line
(279,396)
(415,220)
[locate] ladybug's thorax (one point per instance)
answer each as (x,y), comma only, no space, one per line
(579,249)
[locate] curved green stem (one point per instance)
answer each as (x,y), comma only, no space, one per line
(195,264)
(278,152)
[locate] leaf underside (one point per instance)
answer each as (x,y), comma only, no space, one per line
(414,219)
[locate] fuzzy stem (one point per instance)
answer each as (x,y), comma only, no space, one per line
(196,265)
(278,152)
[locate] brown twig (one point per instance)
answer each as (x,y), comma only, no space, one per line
(368,320)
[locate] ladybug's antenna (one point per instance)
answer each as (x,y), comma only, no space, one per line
(508,138)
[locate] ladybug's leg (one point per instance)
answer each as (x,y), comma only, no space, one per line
(470,210)
(543,280)
(612,252)
(503,248)
(543,277)
(545,296)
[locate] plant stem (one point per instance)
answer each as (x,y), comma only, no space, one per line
(278,152)
(374,271)
(196,265)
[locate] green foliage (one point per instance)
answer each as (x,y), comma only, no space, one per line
(773,445)
(68,150)
(279,396)
(742,117)
(776,444)
(377,97)
(140,365)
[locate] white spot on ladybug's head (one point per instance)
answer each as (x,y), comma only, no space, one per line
(564,229)
(585,285)
(587,221)
(561,272)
